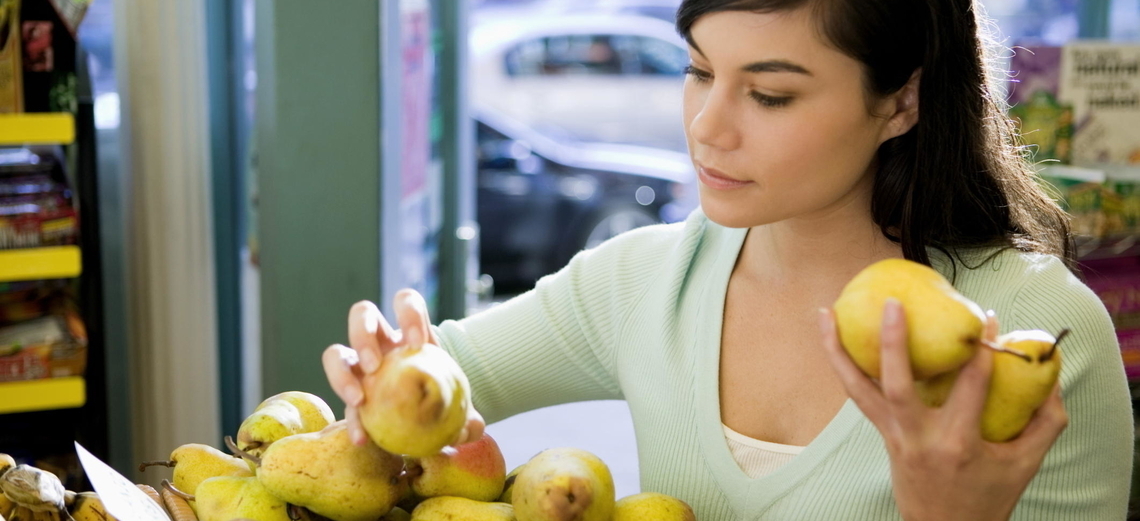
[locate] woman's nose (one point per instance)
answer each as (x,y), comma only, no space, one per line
(715,125)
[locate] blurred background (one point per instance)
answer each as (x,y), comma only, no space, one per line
(242,171)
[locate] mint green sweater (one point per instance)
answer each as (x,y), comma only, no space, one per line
(639,318)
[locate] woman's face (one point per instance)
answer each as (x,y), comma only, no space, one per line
(777,121)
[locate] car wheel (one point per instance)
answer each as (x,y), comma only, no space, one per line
(614,221)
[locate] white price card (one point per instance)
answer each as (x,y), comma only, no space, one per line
(122,498)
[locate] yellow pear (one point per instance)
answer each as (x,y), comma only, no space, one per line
(269,423)
(651,506)
(1025,370)
(448,508)
(315,413)
(88,507)
(195,462)
(944,328)
(564,484)
(225,498)
(417,402)
(474,470)
(328,474)
(509,484)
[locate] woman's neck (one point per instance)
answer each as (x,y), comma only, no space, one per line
(821,250)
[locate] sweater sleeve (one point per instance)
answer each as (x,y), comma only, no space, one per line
(554,344)
(1086,474)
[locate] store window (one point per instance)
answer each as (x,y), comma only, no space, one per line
(594,55)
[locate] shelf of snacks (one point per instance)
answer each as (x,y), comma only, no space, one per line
(53,262)
(37,129)
(42,395)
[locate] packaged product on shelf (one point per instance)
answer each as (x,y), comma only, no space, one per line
(36,207)
(11,66)
(1124,183)
(46,347)
(1102,82)
(1046,124)
(49,34)
(1047,127)
(1081,191)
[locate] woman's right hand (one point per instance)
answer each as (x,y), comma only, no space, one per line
(370,337)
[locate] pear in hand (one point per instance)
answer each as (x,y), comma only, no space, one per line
(329,475)
(944,328)
(226,497)
(194,463)
(1025,370)
(474,470)
(447,508)
(564,485)
(416,403)
(651,505)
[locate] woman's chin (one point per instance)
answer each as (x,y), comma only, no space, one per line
(732,216)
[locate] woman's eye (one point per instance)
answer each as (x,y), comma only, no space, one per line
(770,101)
(698,75)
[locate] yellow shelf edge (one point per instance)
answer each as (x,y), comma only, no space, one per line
(42,395)
(37,128)
(52,262)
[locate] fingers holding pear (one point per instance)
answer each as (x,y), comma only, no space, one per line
(417,403)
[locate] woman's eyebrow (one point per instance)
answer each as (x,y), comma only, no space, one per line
(775,66)
(763,66)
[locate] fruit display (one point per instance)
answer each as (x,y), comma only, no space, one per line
(944,331)
(292,460)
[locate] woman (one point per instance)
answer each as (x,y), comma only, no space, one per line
(827,135)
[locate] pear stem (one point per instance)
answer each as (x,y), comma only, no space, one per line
(174,490)
(1060,336)
(147,464)
(1007,350)
(234,448)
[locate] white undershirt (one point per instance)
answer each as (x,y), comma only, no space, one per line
(758,458)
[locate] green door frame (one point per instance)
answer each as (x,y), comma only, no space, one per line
(228,196)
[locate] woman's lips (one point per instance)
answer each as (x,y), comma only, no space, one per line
(718,181)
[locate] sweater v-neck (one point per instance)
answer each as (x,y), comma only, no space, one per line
(749,496)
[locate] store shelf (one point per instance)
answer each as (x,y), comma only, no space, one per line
(36,129)
(42,395)
(55,262)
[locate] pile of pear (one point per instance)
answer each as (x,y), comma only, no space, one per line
(292,460)
(944,331)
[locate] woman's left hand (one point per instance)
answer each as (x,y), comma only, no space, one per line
(941,468)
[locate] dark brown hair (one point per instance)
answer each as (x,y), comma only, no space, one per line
(958,179)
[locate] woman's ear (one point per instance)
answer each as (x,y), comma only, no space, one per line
(905,113)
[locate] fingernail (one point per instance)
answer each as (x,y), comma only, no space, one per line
(891,312)
(354,396)
(368,361)
(824,319)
